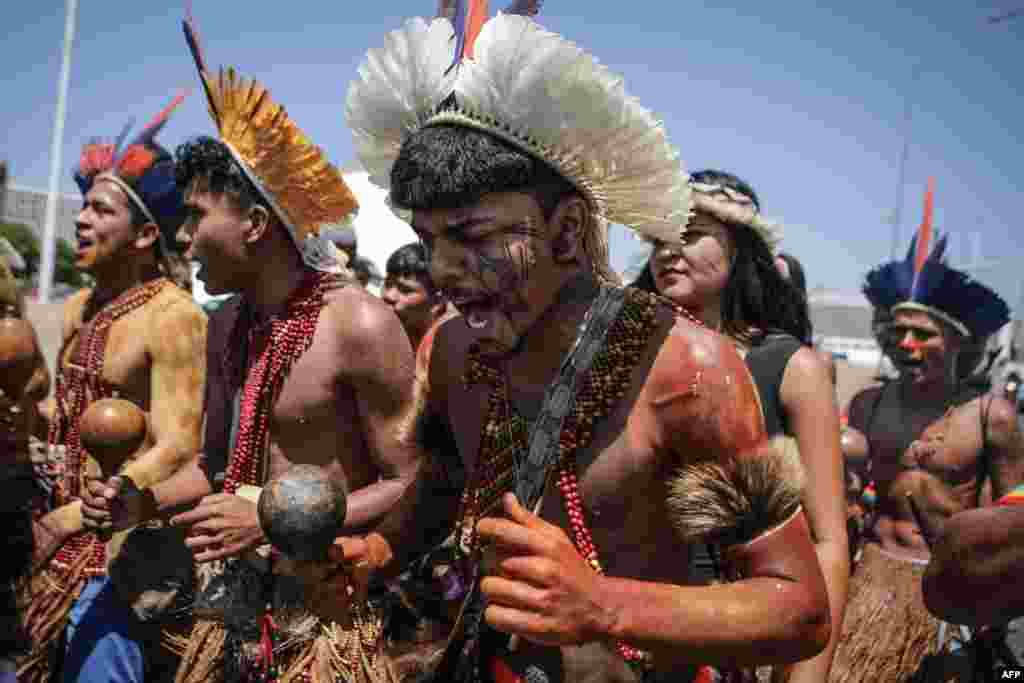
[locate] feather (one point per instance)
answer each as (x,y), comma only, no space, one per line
(459,23)
(474,23)
(121,137)
(150,130)
(192,38)
(135,161)
(924,233)
(195,47)
(446,10)
(526,8)
(397,87)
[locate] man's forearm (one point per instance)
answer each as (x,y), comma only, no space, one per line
(972,577)
(755,621)
(156,465)
(779,614)
(835,565)
(53,529)
(369,505)
(187,485)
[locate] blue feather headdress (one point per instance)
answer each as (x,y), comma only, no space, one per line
(142,168)
(951,295)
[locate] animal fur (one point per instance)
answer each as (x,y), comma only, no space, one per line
(735,502)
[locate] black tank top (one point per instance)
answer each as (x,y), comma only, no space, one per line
(767,362)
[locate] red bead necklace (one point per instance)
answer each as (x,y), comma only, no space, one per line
(77,387)
(290,335)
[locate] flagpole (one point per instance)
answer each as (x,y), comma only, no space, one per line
(49,245)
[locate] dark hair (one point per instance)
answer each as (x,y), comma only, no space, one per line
(710,176)
(364,270)
(208,162)
(796,272)
(757,299)
(410,260)
(447,167)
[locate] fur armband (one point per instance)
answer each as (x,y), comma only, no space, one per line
(734,502)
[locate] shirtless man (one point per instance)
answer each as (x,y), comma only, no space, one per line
(933,450)
(520,249)
(409,290)
(319,372)
(137,336)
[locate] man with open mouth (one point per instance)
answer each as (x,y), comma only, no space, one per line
(588,417)
(305,368)
(138,336)
(936,446)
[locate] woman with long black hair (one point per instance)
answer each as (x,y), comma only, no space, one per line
(725,273)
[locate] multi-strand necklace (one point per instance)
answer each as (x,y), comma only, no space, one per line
(290,335)
(78,386)
(505,433)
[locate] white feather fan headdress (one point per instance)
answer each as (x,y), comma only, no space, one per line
(537,91)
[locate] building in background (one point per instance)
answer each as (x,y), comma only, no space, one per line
(842,326)
(27,205)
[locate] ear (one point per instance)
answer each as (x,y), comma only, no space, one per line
(568,221)
(257,223)
(147,236)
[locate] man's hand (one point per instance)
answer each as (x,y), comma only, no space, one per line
(223,525)
(115,505)
(544,590)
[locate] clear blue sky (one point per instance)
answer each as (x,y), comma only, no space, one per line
(803,99)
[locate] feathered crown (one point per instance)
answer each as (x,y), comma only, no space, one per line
(732,206)
(922,281)
(510,78)
(141,168)
(306,191)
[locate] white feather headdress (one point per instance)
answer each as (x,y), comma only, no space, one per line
(537,91)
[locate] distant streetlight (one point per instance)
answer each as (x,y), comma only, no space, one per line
(908,113)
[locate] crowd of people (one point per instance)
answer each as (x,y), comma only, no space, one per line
(547,474)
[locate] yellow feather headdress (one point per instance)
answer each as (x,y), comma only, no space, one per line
(306,191)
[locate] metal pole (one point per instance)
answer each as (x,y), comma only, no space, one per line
(908,112)
(50,227)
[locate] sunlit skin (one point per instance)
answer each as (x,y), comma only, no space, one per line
(154,356)
(105,231)
(340,406)
(522,283)
(974,574)
(414,304)
(921,443)
(694,274)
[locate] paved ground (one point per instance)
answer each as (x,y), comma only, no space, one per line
(47,319)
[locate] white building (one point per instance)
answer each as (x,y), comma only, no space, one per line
(842,325)
(27,206)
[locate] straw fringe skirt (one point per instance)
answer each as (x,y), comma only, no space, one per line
(334,653)
(888,634)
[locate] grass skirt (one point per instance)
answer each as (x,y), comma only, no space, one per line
(888,634)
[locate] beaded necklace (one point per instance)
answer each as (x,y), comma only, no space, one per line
(78,386)
(505,433)
(290,335)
